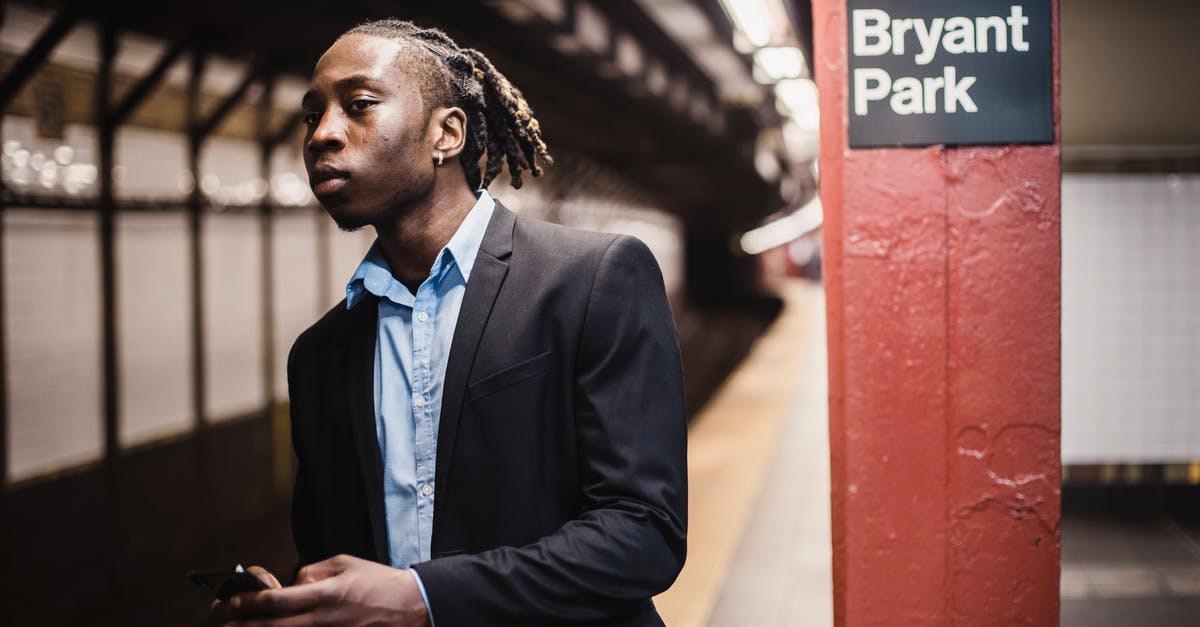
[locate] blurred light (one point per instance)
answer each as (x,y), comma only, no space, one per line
(78,176)
(782,62)
(751,18)
(288,189)
(656,78)
(11,147)
(522,11)
(799,95)
(64,154)
(258,188)
(49,174)
(802,251)
(37,160)
(210,184)
(628,56)
(591,29)
(801,143)
(679,95)
(20,158)
(800,222)
(767,165)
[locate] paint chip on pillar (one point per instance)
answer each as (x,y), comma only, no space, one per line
(954,72)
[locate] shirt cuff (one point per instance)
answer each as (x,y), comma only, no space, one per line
(424,597)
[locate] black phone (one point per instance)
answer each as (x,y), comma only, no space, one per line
(226,583)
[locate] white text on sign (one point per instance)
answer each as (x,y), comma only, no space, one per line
(876,33)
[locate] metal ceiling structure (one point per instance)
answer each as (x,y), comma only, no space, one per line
(691,152)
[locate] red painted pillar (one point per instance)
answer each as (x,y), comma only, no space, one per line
(942,282)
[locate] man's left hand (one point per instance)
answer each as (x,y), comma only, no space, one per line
(341,590)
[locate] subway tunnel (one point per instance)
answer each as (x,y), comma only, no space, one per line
(972,361)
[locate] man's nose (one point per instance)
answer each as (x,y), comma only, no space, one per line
(329,134)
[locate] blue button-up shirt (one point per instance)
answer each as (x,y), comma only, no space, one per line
(411,348)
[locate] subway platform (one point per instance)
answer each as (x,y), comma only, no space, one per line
(759,541)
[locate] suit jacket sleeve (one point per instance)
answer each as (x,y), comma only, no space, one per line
(628,542)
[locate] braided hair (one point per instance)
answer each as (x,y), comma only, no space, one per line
(500,122)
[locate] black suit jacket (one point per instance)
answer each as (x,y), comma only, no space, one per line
(561,470)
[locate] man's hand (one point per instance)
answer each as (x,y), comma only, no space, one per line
(221,611)
(341,590)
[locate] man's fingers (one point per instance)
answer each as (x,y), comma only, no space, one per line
(279,601)
(265,576)
(321,570)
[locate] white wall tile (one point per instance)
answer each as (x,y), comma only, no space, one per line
(232,297)
(52,340)
(298,302)
(1131,318)
(154,326)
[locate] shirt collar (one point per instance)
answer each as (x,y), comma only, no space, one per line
(374,275)
(464,244)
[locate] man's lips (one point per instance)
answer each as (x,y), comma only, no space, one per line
(329,186)
(327,181)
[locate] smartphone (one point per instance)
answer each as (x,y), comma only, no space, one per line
(226,583)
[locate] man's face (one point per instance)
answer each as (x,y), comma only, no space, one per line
(368,147)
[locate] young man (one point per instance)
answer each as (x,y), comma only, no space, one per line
(490,430)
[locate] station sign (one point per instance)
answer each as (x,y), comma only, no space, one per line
(955,72)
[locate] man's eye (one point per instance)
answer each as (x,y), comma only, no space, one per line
(312,119)
(361,104)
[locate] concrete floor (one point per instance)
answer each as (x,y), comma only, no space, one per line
(1120,570)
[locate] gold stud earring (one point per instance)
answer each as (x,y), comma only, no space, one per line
(441,155)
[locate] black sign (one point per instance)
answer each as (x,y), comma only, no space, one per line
(951,72)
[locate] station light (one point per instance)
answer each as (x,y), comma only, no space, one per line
(799,96)
(801,222)
(752,18)
(781,62)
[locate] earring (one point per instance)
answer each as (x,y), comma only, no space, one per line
(440,155)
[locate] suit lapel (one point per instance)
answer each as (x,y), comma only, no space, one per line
(360,385)
(491,266)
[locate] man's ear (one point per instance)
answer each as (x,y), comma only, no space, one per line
(450,131)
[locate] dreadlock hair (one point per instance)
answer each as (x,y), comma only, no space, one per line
(500,122)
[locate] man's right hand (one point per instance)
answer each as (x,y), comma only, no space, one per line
(221,612)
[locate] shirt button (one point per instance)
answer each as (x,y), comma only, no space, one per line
(420,401)
(426,489)
(422,317)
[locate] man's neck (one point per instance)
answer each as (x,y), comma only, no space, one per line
(412,241)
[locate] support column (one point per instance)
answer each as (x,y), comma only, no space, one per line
(943,297)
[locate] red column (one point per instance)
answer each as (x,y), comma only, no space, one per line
(942,283)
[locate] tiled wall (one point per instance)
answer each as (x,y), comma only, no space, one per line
(154,330)
(232,302)
(1131,318)
(52,348)
(297,301)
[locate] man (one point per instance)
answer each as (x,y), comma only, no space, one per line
(495,413)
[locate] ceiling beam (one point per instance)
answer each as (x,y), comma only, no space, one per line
(37,54)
